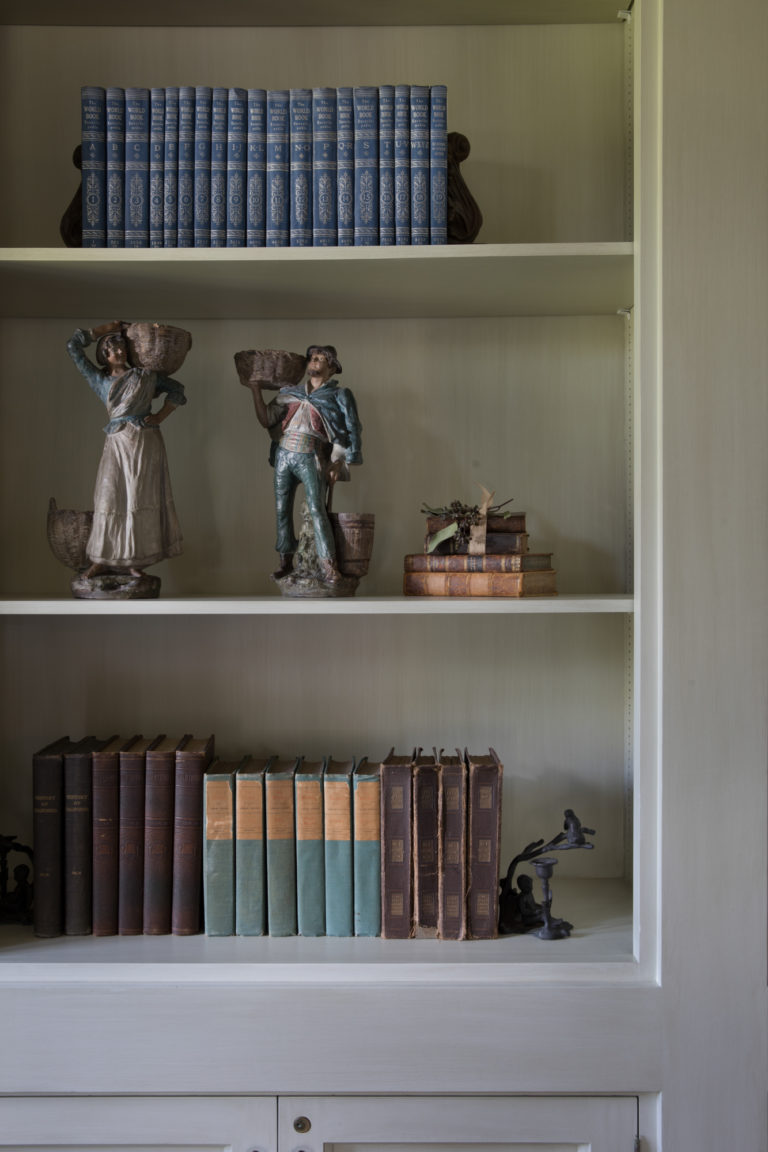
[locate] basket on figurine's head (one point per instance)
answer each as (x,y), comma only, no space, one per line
(157,347)
(270,367)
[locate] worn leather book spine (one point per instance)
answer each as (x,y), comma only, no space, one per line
(219,848)
(48,837)
(78,838)
(425,846)
(105,763)
(484,776)
(281,848)
(366,823)
(339,899)
(192,758)
(396,848)
(510,584)
(158,835)
(130,900)
(452,849)
(466,562)
(310,849)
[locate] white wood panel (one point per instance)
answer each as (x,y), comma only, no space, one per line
(323,1039)
(543,108)
(152,1124)
(546,1124)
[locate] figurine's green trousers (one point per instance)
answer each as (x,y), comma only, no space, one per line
(292,469)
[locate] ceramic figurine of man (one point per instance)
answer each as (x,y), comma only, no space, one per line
(134,522)
(316,436)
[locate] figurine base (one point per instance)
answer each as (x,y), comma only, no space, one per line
(312,587)
(116,586)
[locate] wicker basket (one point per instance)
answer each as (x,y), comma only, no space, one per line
(158,347)
(270,367)
(68,533)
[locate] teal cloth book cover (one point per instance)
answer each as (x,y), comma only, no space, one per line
(365,106)
(156,166)
(324,159)
(420,114)
(219,848)
(386,164)
(115,168)
(93,110)
(219,118)
(250,849)
(366,824)
(310,848)
(339,896)
(438,164)
(281,847)
(137,167)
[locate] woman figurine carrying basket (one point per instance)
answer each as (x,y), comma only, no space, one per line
(134,520)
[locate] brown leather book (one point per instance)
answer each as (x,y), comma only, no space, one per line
(159,789)
(510,584)
(425,846)
(192,758)
(396,847)
(484,781)
(48,833)
(78,837)
(515,522)
(487,562)
(452,848)
(105,763)
(130,879)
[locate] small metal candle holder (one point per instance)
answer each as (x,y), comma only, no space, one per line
(552,928)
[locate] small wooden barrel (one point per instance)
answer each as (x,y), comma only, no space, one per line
(353,533)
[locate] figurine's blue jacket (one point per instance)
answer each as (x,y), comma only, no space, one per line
(338,410)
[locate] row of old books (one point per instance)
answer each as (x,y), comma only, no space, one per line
(500,564)
(406,847)
(234,167)
(118,827)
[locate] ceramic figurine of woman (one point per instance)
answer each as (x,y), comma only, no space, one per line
(134,521)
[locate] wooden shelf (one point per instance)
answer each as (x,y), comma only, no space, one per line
(346,606)
(309,283)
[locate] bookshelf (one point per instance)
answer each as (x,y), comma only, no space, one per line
(512,363)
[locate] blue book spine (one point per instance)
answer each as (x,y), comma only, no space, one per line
(386,164)
(256,170)
(137,167)
(186,171)
(300,167)
(402,164)
(156,167)
(237,143)
(366,823)
(324,189)
(202,213)
(93,108)
(219,849)
(250,849)
(170,168)
(310,849)
(219,118)
(419,164)
(438,164)
(339,897)
(115,168)
(281,848)
(366,119)
(345,167)
(278,165)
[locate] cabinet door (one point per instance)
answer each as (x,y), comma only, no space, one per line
(457,1124)
(148,1123)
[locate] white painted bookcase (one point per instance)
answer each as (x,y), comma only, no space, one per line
(574,359)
